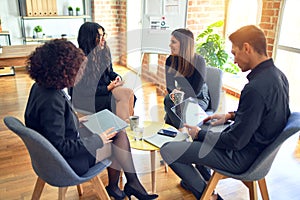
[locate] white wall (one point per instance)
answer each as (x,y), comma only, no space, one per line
(9,13)
(10,19)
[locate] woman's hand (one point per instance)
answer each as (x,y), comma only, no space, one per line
(107,135)
(118,78)
(114,84)
(83,119)
(172,94)
(193,130)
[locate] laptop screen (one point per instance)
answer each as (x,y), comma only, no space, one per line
(190,112)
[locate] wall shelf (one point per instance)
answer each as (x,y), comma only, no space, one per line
(30,39)
(56,17)
(27,21)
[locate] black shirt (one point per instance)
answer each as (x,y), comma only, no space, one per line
(262,113)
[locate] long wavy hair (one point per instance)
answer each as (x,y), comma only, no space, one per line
(186,52)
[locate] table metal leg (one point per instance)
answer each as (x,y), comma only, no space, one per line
(153,175)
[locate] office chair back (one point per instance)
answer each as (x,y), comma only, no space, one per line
(46,161)
(214,83)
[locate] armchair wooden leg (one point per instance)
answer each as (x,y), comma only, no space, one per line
(38,188)
(166,168)
(62,193)
(211,185)
(99,188)
(80,189)
(252,189)
(263,189)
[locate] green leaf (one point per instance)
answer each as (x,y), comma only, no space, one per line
(211,46)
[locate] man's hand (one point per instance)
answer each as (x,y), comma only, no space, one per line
(192,130)
(217,119)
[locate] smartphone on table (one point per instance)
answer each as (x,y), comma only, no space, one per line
(167,132)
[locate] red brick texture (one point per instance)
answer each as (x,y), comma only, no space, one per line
(200,13)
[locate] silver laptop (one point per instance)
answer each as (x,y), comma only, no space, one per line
(103,120)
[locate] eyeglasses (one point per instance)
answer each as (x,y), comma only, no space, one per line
(102,36)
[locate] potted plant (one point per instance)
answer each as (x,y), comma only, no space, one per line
(70,9)
(38,29)
(0,26)
(77,11)
(212,47)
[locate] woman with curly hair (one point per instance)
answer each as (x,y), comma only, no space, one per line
(55,66)
(100,87)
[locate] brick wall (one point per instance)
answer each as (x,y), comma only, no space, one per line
(200,13)
(111,14)
(269,22)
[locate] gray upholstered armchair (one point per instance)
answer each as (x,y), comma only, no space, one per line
(51,167)
(260,168)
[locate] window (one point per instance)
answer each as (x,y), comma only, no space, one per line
(287,56)
(241,13)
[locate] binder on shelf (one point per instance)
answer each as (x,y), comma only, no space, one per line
(49,7)
(54,7)
(39,7)
(28,8)
(44,8)
(34,8)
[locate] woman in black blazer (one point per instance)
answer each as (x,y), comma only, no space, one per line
(55,66)
(100,87)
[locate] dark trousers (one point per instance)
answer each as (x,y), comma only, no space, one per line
(181,157)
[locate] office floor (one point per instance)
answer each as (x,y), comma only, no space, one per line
(17,177)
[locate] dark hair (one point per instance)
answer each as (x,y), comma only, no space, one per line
(252,35)
(55,64)
(186,52)
(99,59)
(87,36)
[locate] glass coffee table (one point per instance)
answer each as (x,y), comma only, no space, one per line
(150,128)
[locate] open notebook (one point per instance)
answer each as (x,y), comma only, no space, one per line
(103,120)
(158,140)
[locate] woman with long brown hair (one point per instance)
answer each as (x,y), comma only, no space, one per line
(185,71)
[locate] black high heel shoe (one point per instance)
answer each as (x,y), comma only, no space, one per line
(115,195)
(131,191)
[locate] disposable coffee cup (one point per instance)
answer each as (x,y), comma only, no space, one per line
(134,122)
